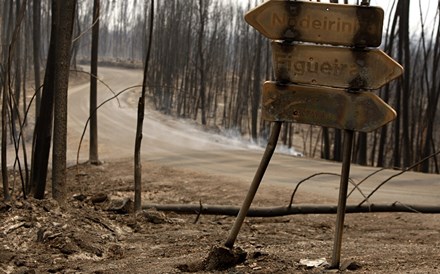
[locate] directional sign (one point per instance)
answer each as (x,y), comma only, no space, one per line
(347,25)
(329,107)
(333,66)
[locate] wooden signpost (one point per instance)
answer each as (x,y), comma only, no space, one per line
(321,84)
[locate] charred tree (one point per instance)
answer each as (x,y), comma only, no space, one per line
(203,21)
(36,47)
(93,148)
(54,91)
(404,45)
(256,90)
(65,17)
(140,121)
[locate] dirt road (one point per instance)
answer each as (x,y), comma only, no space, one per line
(180,144)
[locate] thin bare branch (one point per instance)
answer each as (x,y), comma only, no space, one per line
(356,186)
(398,174)
(88,119)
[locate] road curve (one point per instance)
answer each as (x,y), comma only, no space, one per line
(179,144)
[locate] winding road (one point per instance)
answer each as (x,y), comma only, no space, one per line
(179,144)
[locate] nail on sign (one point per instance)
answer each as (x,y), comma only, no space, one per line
(324,106)
(333,66)
(347,25)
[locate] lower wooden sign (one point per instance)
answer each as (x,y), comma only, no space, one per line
(324,106)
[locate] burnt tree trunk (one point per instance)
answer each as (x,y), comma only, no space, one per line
(55,80)
(140,122)
(64,13)
(93,147)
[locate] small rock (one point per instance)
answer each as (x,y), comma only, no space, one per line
(121,206)
(18,204)
(40,235)
(116,251)
(25,270)
(321,262)
(4,207)
(176,220)
(79,197)
(6,256)
(222,258)
(350,265)
(99,198)
(51,206)
(154,216)
(89,247)
(258,255)
(331,271)
(64,245)
(57,269)
(191,267)
(20,262)
(68,249)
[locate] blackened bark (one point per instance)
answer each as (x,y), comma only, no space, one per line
(406,96)
(326,144)
(36,45)
(256,90)
(43,125)
(140,122)
(203,17)
(93,148)
(56,79)
(65,18)
(362,149)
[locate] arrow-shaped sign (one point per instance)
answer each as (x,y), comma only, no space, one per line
(329,107)
(333,66)
(347,25)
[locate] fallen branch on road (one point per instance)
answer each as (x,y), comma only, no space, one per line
(292,210)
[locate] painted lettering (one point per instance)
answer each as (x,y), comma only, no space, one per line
(296,66)
(326,68)
(316,24)
(306,22)
(278,20)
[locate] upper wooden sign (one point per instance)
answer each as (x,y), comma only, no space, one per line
(347,25)
(342,67)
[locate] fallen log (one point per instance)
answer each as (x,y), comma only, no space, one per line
(293,210)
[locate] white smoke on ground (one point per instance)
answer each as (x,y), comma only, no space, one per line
(289,151)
